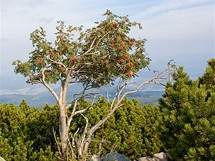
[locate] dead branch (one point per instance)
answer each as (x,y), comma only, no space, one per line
(58,147)
(120,97)
(84,132)
(72,114)
(73,137)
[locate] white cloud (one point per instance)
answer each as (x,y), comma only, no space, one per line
(171,27)
(171,5)
(23,91)
(190,24)
(175,31)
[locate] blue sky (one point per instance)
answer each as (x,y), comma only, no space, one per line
(183,30)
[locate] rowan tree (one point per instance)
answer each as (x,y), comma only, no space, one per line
(93,58)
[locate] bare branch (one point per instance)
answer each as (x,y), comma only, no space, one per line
(91,47)
(92,43)
(95,127)
(118,103)
(102,38)
(83,110)
(159,83)
(73,137)
(70,145)
(120,90)
(100,146)
(57,62)
(113,101)
(58,147)
(117,95)
(84,132)
(137,88)
(72,114)
(48,87)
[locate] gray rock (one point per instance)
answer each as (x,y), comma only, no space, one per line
(161,156)
(145,159)
(156,157)
(115,157)
(95,158)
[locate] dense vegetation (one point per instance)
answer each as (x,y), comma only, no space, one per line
(188,108)
(183,125)
(27,133)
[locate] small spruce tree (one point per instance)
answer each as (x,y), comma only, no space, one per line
(188,108)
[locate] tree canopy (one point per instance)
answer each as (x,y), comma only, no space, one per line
(94,57)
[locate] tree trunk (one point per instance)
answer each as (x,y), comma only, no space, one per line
(63,130)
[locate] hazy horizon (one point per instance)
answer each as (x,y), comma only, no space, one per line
(175,29)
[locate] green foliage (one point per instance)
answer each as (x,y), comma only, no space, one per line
(26,133)
(96,56)
(208,77)
(18,141)
(130,131)
(41,127)
(188,107)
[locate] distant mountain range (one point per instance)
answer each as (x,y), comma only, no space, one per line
(42,98)
(13,87)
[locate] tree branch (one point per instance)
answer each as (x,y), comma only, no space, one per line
(73,137)
(48,87)
(58,147)
(91,47)
(72,114)
(57,62)
(118,103)
(102,38)
(84,132)
(66,84)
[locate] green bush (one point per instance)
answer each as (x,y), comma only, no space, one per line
(130,131)
(27,133)
(188,108)
(17,141)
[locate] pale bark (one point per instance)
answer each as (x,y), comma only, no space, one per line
(48,87)
(81,141)
(63,129)
(117,102)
